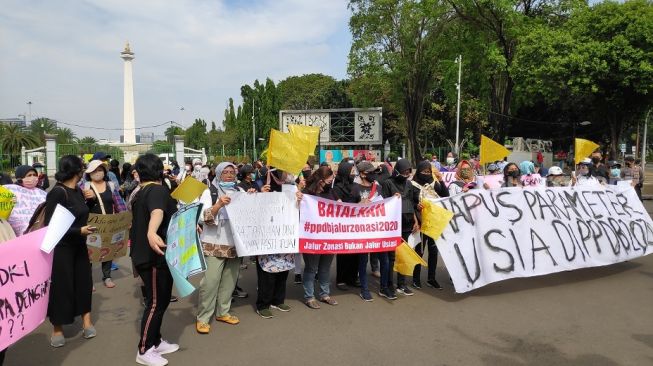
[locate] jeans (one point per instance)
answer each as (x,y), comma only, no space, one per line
(385,269)
(320,264)
(106,270)
(427,243)
(374,261)
(362,272)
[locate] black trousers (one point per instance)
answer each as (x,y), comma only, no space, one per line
(271,288)
(347,268)
(2,356)
(427,243)
(157,281)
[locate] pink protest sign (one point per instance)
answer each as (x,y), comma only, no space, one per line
(24,286)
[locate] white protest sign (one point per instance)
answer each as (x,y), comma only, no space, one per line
(59,224)
(523,232)
(264,223)
(328,227)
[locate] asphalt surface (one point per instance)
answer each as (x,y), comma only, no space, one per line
(594,316)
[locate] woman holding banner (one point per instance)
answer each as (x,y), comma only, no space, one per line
(465,179)
(218,246)
(152,208)
(102,198)
(431,186)
(71,283)
(28,198)
(512,176)
(343,189)
(318,184)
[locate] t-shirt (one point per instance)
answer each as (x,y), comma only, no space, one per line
(149,198)
(107,201)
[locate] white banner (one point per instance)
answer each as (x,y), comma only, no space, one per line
(515,232)
(264,223)
(328,226)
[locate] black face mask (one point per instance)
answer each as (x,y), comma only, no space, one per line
(428,178)
(326,188)
(370,177)
(514,174)
(400,178)
(306,173)
(350,178)
(595,160)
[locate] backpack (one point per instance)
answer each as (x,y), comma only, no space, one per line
(37,221)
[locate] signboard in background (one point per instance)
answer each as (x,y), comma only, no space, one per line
(335,156)
(111,238)
(184,249)
(327,227)
(516,232)
(264,223)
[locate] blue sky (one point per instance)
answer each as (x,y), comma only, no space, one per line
(64,55)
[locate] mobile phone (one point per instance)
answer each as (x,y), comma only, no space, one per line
(92,228)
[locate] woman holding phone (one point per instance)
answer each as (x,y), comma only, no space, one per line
(71,283)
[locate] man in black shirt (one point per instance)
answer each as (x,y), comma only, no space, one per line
(598,169)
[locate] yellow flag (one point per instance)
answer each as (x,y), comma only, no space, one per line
(491,150)
(434,219)
(7,202)
(406,259)
(308,136)
(583,148)
(285,152)
(189,190)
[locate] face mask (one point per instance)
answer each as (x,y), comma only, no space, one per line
(615,173)
(428,178)
(583,172)
(187,168)
(351,178)
(97,176)
(595,160)
(513,173)
(450,161)
(306,173)
(370,177)
(30,182)
(227,184)
(253,176)
(465,173)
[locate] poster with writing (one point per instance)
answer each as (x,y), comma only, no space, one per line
(264,223)
(515,232)
(111,238)
(327,226)
(7,201)
(448,177)
(24,286)
(184,249)
(26,202)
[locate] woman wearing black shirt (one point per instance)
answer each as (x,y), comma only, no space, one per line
(71,283)
(152,208)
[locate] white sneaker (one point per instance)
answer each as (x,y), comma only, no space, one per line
(150,358)
(165,347)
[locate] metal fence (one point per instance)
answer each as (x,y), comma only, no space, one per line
(83,150)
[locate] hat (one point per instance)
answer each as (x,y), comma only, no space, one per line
(492,167)
(555,170)
(367,167)
(615,164)
(22,170)
(100,155)
(586,161)
(94,165)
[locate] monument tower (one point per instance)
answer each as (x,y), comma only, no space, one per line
(129,123)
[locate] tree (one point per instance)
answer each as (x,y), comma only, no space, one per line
(599,61)
(42,126)
(14,138)
(65,136)
(162,146)
(195,135)
(405,40)
(87,140)
(313,91)
(171,132)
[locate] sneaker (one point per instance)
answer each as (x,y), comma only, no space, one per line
(174,298)
(417,285)
(342,286)
(366,296)
(114,267)
(404,290)
(388,294)
(108,283)
(298,279)
(150,358)
(89,332)
(376,274)
(265,313)
(164,347)
(57,341)
(202,328)
(434,284)
(239,293)
(281,307)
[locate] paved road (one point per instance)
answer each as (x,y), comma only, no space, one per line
(595,316)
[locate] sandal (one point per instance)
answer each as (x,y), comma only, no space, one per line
(229,319)
(312,303)
(202,328)
(329,300)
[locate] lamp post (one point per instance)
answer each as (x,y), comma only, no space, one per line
(459,61)
(29,106)
(253,132)
(644,138)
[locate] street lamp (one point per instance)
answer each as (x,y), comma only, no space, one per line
(253,131)
(459,61)
(29,106)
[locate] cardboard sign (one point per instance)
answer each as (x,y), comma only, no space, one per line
(111,237)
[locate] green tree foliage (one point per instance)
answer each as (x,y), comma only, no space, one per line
(89,140)
(195,136)
(14,137)
(600,61)
(65,136)
(42,126)
(171,131)
(313,91)
(404,39)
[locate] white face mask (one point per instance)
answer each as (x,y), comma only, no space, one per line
(450,161)
(188,168)
(97,176)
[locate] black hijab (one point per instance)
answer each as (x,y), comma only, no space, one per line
(420,178)
(344,183)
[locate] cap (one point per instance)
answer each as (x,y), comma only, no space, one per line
(100,155)
(366,167)
(492,167)
(586,161)
(555,170)
(93,165)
